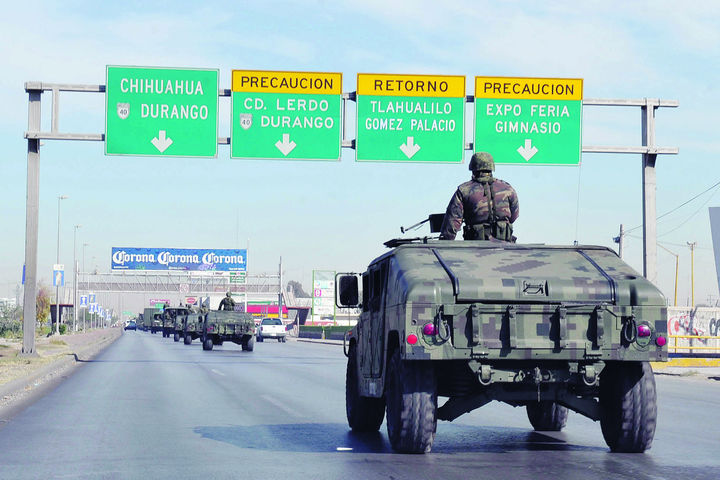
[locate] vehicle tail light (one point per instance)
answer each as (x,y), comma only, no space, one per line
(412,339)
(643,330)
(660,341)
(429,329)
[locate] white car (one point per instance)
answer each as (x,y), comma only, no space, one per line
(271,328)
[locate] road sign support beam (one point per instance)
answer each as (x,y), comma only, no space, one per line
(34,90)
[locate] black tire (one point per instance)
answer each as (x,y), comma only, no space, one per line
(628,406)
(207,344)
(547,416)
(188,339)
(364,414)
(249,346)
(176,337)
(411,399)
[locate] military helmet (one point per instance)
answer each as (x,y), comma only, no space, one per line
(482,161)
(228,294)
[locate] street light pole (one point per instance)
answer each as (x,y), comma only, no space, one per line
(85,271)
(692,273)
(75,272)
(57,261)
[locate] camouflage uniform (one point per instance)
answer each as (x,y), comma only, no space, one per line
(227,303)
(488,206)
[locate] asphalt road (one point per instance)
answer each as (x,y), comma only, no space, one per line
(151,408)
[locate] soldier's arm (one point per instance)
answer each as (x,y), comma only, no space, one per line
(453,217)
(514,206)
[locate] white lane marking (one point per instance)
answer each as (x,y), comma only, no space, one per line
(281,406)
(218,372)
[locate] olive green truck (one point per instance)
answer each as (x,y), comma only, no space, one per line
(548,328)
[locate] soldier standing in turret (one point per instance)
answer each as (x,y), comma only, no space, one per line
(227,303)
(487,205)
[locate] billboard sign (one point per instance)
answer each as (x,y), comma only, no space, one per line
(323,293)
(186,259)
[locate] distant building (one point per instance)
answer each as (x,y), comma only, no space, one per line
(8,302)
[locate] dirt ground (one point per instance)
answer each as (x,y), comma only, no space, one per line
(49,349)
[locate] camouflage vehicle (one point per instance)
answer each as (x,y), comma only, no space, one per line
(173,320)
(548,328)
(221,325)
(140,322)
(152,320)
(192,325)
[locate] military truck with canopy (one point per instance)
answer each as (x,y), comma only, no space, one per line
(547,328)
(152,320)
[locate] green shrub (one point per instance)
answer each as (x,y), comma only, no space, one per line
(62,328)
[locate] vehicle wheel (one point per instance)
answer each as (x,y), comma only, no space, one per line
(628,406)
(176,337)
(364,414)
(188,339)
(547,416)
(411,398)
(207,344)
(249,346)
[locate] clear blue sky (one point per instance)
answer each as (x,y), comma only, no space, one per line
(325,215)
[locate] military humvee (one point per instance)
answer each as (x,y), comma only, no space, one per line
(219,326)
(174,319)
(548,328)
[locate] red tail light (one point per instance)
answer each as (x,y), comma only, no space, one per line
(429,329)
(660,341)
(412,339)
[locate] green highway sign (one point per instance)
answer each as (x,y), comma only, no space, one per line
(286,115)
(161,111)
(410,118)
(529,120)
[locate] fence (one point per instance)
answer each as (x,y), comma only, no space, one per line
(694,332)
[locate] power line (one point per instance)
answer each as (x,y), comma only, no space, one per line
(681,205)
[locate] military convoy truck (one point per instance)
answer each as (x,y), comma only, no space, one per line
(152,320)
(548,328)
(219,326)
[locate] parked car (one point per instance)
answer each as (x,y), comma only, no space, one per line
(131,325)
(271,328)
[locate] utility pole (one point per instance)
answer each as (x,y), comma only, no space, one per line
(280,290)
(619,241)
(75,280)
(692,273)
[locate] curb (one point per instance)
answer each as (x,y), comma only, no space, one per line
(686,362)
(59,367)
(326,342)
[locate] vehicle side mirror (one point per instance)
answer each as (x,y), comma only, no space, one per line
(348,290)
